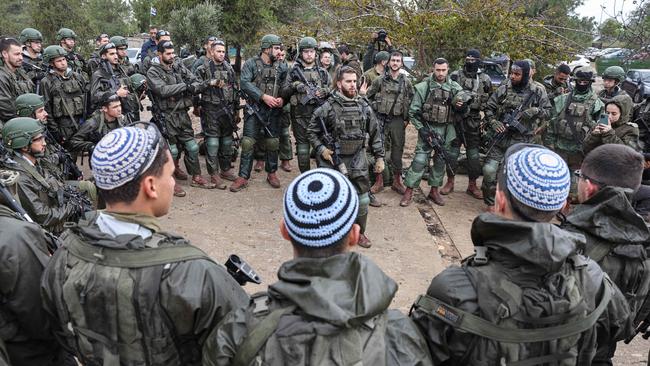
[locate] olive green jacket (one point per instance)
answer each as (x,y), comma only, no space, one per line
(559,134)
(622,132)
(12,84)
(421,94)
(336,299)
(92,131)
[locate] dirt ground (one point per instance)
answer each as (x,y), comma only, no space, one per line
(410,244)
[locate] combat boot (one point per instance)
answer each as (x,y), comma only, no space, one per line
(434,195)
(398,185)
(374,202)
(273,180)
(449,186)
(286,166)
(259,165)
(216,180)
(407,197)
(379,183)
(239,184)
(473,190)
(228,175)
(178,172)
(200,182)
(178,190)
(364,242)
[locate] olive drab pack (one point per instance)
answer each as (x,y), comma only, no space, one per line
(177,102)
(527,321)
(390,99)
(351,124)
(70,91)
(93,275)
(577,115)
(267,78)
(436,107)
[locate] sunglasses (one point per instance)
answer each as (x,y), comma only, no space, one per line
(578,173)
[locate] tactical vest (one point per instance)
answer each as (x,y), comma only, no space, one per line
(67,96)
(436,108)
(218,96)
(351,125)
(577,119)
(523,320)
(316,77)
(177,102)
(135,330)
(392,92)
(267,78)
(24,84)
(473,85)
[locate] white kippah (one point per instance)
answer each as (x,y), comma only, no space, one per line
(122,155)
(320,207)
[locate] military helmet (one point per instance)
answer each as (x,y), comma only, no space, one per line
(119,41)
(307,42)
(30,34)
(65,33)
(137,80)
(19,132)
(614,72)
(27,104)
(382,56)
(270,40)
(464,96)
(52,52)
(583,73)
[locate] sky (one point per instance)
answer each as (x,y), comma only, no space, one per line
(593,8)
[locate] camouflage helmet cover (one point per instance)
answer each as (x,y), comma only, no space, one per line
(52,52)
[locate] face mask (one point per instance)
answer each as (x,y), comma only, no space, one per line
(471,66)
(582,89)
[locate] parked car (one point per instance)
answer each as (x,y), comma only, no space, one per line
(578,61)
(134,57)
(621,53)
(494,71)
(637,84)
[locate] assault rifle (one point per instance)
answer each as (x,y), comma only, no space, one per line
(334,146)
(38,76)
(78,199)
(253,108)
(241,271)
(431,138)
(157,115)
(312,89)
(11,202)
(512,123)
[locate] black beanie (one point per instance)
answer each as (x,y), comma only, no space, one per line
(473,53)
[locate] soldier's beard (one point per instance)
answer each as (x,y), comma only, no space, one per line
(349,93)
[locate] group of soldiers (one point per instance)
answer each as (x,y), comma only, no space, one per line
(114,288)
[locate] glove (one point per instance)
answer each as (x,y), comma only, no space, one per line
(379,165)
(496,124)
(301,88)
(530,112)
(327,155)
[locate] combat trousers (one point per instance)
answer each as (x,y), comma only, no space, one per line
(303,148)
(493,162)
(574,161)
(218,131)
(286,152)
(423,154)
(181,133)
(472,136)
(254,131)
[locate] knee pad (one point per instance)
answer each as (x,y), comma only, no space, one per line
(212,145)
(364,202)
(192,147)
(285,132)
(419,162)
(272,144)
(173,149)
(247,144)
(302,149)
(490,170)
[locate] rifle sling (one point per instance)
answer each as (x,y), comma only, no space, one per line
(33,171)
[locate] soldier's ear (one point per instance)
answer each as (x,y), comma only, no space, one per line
(353,236)
(283,230)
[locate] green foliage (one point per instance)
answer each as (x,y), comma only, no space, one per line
(192,25)
(611,29)
(49,16)
(20,17)
(141,14)
(109,16)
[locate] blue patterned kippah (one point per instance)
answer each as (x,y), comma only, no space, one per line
(320,207)
(538,178)
(122,155)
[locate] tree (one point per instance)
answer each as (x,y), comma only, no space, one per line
(141,13)
(611,29)
(20,17)
(50,16)
(193,24)
(112,17)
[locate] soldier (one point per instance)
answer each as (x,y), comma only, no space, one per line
(330,304)
(95,58)
(327,62)
(308,86)
(337,131)
(380,62)
(45,198)
(121,45)
(161,36)
(527,297)
(617,130)
(112,78)
(348,58)
(390,96)
(65,96)
(430,112)
(134,289)
(219,108)
(573,115)
(149,48)
(613,76)
(261,80)
(172,87)
(13,79)
(380,42)
(67,39)
(108,118)
(203,52)
(25,250)
(468,124)
(558,83)
(512,112)
(32,41)
(616,236)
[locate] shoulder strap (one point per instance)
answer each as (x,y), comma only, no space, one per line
(130,258)
(473,324)
(34,173)
(598,251)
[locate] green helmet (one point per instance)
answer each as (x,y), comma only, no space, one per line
(19,132)
(307,42)
(270,40)
(583,73)
(52,52)
(530,62)
(30,34)
(137,80)
(119,41)
(614,72)
(382,56)
(65,33)
(27,104)
(464,96)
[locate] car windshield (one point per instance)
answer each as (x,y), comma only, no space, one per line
(132,52)
(645,75)
(492,70)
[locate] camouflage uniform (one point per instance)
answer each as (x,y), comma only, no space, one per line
(65,101)
(92,131)
(622,132)
(553,89)
(12,84)
(106,81)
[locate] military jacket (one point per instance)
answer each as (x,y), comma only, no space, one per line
(106,81)
(338,315)
(386,93)
(12,84)
(621,95)
(169,86)
(553,89)
(571,123)
(78,64)
(258,78)
(353,62)
(623,132)
(134,312)
(92,131)
(432,102)
(317,77)
(480,85)
(64,96)
(371,75)
(33,67)
(213,96)
(507,99)
(93,62)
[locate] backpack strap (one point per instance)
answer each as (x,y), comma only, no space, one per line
(474,324)
(598,251)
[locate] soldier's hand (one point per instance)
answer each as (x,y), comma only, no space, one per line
(497,126)
(379,165)
(269,101)
(459,104)
(363,89)
(327,155)
(529,113)
(122,92)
